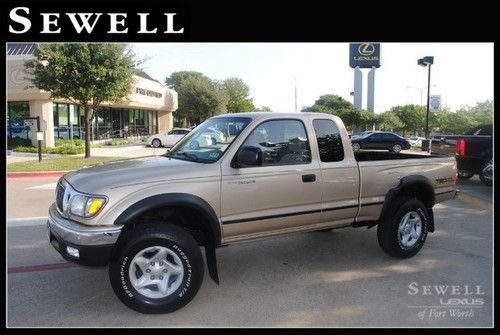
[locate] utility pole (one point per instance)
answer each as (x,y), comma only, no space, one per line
(295,81)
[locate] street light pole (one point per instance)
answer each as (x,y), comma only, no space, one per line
(427,61)
(428,102)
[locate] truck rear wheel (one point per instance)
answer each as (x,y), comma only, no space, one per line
(402,233)
(157,268)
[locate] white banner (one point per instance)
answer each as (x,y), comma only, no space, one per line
(435,103)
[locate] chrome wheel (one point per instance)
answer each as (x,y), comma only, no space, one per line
(410,229)
(156,272)
(355,146)
(396,148)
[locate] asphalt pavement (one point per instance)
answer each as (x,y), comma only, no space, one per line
(337,278)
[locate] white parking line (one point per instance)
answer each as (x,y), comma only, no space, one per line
(50,186)
(27,222)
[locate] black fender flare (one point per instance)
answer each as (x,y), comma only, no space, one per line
(187,200)
(423,184)
(173,199)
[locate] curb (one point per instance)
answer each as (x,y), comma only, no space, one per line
(43,174)
(475,201)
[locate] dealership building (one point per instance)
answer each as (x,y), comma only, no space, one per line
(146,110)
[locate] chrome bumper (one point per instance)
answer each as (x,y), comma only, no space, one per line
(79,234)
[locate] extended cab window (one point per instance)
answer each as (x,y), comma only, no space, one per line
(282,142)
(329,141)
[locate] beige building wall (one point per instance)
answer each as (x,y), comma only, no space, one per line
(146,94)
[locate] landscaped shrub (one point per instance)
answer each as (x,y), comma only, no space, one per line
(17,141)
(117,142)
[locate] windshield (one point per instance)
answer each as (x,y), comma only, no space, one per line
(207,142)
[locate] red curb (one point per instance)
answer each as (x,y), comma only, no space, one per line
(44,174)
(42,267)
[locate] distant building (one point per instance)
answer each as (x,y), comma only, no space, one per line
(147,110)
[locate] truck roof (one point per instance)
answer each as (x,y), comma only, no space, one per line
(258,115)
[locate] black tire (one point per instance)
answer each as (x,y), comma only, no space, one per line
(487,182)
(164,235)
(388,230)
(465,175)
(156,143)
(396,148)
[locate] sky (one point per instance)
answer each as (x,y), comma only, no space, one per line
(462,72)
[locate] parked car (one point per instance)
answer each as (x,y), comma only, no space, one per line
(284,172)
(473,150)
(167,139)
(381,140)
(416,141)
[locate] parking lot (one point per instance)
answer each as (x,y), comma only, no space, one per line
(318,279)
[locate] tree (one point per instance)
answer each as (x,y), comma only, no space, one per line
(176,78)
(333,102)
(264,109)
(84,73)
(238,93)
(388,121)
(200,98)
(412,117)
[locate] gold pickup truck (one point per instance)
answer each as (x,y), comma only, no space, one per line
(265,174)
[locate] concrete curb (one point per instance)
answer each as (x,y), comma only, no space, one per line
(475,201)
(42,174)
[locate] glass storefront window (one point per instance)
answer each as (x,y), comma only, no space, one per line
(16,112)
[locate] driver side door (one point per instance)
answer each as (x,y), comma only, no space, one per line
(282,193)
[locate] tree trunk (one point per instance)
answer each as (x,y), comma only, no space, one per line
(87,132)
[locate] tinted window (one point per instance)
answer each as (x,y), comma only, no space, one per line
(282,142)
(389,137)
(329,141)
(375,137)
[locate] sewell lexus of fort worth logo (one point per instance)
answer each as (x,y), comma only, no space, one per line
(447,301)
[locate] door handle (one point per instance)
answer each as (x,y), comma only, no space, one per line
(308,178)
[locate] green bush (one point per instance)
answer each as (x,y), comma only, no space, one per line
(65,142)
(60,150)
(17,141)
(117,142)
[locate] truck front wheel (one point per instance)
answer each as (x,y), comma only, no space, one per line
(157,268)
(402,233)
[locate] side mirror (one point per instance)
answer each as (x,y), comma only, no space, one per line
(247,156)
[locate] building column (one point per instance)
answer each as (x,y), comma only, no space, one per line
(165,121)
(43,109)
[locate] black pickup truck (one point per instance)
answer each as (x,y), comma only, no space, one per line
(473,150)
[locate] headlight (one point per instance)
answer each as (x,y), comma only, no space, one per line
(86,206)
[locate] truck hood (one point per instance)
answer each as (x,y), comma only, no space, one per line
(99,178)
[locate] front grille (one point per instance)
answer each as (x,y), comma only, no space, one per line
(60,196)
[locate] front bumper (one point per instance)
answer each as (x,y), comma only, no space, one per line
(94,244)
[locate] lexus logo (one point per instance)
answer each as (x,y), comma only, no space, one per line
(366,49)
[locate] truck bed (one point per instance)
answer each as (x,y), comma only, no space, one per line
(364,156)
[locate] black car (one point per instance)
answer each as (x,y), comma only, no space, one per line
(381,140)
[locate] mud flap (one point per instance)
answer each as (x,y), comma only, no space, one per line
(212,263)
(431,220)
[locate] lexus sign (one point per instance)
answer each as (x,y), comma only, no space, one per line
(364,55)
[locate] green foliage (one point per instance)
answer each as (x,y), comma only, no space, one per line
(176,78)
(336,105)
(58,164)
(264,109)
(84,73)
(17,142)
(117,142)
(238,93)
(60,150)
(412,118)
(200,98)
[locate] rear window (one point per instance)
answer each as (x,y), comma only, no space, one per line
(329,140)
